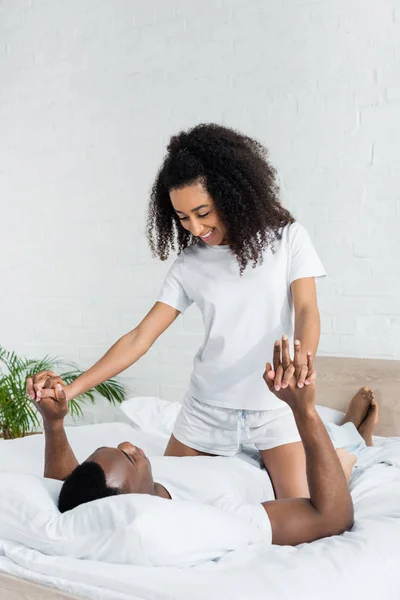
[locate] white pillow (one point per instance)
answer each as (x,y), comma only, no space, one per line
(330,415)
(131,528)
(151,414)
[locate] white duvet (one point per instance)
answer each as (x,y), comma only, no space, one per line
(360,564)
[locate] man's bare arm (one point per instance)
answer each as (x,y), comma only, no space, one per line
(59,459)
(329,510)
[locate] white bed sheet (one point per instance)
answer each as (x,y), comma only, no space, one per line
(362,563)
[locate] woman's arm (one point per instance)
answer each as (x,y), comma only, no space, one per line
(124,353)
(307,326)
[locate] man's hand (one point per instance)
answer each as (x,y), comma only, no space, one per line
(53,410)
(288,390)
(306,376)
(42,385)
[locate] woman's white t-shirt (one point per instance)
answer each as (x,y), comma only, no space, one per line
(242,314)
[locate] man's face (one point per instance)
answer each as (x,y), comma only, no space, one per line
(126,468)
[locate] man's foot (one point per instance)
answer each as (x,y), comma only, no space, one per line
(347,461)
(366,429)
(358,407)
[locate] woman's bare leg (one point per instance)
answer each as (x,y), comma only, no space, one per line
(288,471)
(286,465)
(177,448)
(347,461)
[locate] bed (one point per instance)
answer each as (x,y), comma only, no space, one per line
(361,564)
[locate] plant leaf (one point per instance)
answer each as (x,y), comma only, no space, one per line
(17,414)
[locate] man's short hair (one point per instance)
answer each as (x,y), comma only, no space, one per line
(86,483)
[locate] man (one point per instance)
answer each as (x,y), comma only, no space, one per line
(126,469)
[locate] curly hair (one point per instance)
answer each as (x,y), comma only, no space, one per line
(235,171)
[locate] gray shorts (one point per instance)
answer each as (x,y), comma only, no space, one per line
(223,431)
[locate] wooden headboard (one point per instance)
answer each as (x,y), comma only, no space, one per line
(339,378)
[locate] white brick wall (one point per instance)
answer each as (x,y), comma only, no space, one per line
(90,92)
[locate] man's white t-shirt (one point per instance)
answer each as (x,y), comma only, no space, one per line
(242,314)
(230,484)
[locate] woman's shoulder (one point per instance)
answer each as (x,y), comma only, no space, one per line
(292,228)
(293,231)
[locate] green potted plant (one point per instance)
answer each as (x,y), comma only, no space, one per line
(18,416)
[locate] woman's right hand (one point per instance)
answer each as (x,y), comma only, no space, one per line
(53,410)
(42,385)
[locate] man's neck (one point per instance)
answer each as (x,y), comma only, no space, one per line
(161,491)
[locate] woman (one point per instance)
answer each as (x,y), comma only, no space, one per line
(251,271)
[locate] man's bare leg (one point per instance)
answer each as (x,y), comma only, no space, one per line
(367,427)
(363,413)
(358,407)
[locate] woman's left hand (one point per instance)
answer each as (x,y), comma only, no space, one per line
(305,374)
